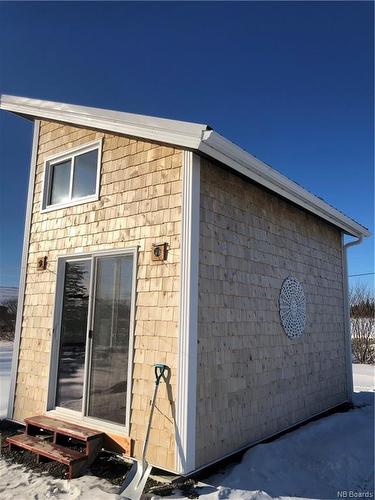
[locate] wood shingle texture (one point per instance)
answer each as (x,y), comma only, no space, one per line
(140,203)
(253,380)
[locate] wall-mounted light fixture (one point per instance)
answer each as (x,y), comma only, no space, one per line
(41,263)
(159,251)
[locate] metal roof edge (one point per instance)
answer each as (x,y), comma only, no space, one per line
(195,136)
(225,151)
(179,133)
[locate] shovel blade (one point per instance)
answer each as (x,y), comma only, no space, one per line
(135,481)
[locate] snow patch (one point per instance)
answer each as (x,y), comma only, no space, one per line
(317,460)
(17,483)
(363,377)
(6,349)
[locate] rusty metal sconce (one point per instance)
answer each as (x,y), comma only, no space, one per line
(41,263)
(159,251)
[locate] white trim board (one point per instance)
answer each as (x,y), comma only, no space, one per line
(149,127)
(91,423)
(22,285)
(198,137)
(188,325)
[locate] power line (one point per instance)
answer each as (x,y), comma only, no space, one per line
(363,274)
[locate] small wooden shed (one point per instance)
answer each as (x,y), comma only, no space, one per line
(152,240)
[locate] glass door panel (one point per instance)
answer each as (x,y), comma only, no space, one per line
(73,331)
(110,338)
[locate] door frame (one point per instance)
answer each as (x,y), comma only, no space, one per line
(80,417)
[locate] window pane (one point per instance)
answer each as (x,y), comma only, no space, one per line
(110,339)
(60,183)
(70,376)
(85,168)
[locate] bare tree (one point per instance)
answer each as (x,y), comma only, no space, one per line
(11,305)
(8,313)
(362,316)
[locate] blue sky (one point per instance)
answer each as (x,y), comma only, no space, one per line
(291,82)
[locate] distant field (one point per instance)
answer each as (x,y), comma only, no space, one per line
(7,293)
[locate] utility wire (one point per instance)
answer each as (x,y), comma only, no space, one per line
(363,274)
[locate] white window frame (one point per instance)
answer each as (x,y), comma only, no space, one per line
(70,154)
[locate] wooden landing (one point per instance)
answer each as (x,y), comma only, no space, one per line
(61,427)
(69,444)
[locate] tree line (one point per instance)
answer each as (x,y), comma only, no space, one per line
(362,319)
(8,313)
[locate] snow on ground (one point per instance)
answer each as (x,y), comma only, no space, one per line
(17,483)
(317,460)
(6,349)
(363,377)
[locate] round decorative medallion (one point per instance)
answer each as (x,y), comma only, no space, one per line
(292,304)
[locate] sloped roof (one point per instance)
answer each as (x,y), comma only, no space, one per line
(195,136)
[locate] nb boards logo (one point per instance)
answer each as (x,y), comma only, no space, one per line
(355,494)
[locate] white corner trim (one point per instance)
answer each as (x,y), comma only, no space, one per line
(188,325)
(22,284)
(347,325)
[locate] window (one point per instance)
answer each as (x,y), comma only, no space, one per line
(72,177)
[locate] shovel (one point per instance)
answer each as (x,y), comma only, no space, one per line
(135,480)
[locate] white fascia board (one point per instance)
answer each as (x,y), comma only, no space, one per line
(224,151)
(184,134)
(194,136)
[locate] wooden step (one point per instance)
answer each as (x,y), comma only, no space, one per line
(61,427)
(75,460)
(56,440)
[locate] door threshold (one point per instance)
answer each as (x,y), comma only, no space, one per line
(91,423)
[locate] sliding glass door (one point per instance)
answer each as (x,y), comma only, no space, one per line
(110,338)
(94,336)
(73,330)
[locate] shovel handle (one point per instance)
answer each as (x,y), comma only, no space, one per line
(159,372)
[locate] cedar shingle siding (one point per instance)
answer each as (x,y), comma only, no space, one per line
(140,203)
(252,379)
